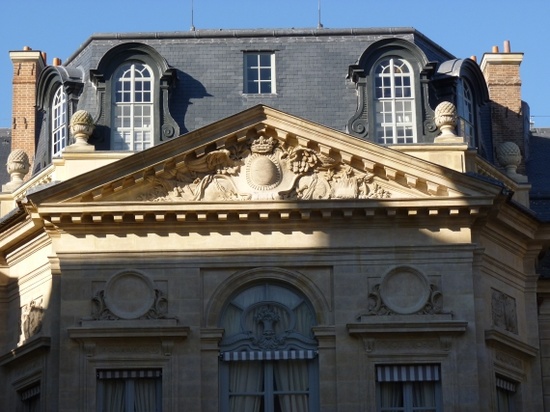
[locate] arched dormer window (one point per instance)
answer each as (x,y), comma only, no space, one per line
(466,112)
(392,89)
(58,90)
(59,122)
(461,81)
(133,83)
(133,108)
(268,355)
(394,102)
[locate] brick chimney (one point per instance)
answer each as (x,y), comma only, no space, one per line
(501,71)
(27,65)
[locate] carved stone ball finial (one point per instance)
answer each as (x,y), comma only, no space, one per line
(509,156)
(82,127)
(18,166)
(446,120)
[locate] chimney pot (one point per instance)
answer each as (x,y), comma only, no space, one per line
(507,46)
(56,61)
(495,49)
(27,48)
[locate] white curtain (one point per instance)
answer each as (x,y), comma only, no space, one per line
(245,378)
(146,399)
(292,376)
(113,395)
(424,395)
(391,395)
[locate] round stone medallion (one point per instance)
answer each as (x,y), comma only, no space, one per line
(404,290)
(129,295)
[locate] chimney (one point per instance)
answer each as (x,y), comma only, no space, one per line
(27,65)
(501,72)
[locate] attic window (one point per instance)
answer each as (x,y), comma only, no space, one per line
(133,110)
(259,73)
(59,122)
(394,102)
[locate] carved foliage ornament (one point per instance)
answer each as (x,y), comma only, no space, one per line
(404,291)
(31,318)
(129,295)
(261,168)
(504,311)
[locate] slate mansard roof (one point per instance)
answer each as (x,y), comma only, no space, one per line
(311,65)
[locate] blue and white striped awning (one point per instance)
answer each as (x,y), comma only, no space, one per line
(128,373)
(268,355)
(407,373)
(30,392)
(506,384)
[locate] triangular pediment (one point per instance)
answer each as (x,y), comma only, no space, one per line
(263,154)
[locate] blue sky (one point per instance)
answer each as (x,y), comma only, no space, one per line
(465,28)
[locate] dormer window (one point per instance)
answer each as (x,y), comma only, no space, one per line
(133,83)
(392,79)
(133,108)
(59,122)
(394,102)
(465,111)
(259,73)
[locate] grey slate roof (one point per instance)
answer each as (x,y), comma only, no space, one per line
(311,65)
(537,166)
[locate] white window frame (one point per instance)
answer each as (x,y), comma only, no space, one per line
(259,73)
(133,107)
(129,377)
(407,376)
(506,395)
(59,122)
(394,101)
(466,111)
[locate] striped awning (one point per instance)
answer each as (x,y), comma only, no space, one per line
(268,355)
(506,385)
(30,392)
(407,373)
(129,373)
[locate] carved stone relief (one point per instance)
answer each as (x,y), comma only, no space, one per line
(504,311)
(262,168)
(32,315)
(404,291)
(129,295)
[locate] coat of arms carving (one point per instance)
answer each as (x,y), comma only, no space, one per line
(262,168)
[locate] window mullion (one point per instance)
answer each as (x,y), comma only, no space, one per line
(269,398)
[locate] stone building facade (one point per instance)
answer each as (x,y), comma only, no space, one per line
(294,220)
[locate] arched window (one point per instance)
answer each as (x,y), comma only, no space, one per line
(465,109)
(59,122)
(393,95)
(133,108)
(133,83)
(394,102)
(268,356)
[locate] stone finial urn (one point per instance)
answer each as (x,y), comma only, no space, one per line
(446,121)
(18,166)
(82,127)
(509,157)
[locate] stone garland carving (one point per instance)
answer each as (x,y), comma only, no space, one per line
(158,310)
(260,168)
(377,306)
(32,315)
(504,311)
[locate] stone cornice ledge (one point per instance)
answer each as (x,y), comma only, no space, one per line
(507,341)
(91,330)
(387,327)
(31,347)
